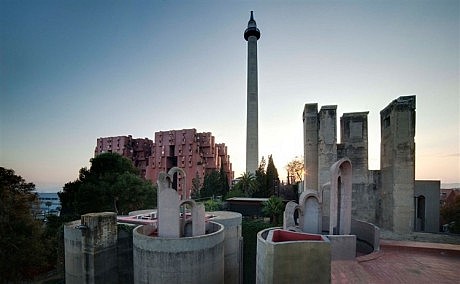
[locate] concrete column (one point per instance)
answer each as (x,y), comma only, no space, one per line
(327,142)
(198,216)
(99,245)
(310,144)
(397,164)
(252,34)
(252,127)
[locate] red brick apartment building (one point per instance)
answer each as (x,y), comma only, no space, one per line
(196,153)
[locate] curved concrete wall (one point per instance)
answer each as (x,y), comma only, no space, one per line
(367,236)
(232,252)
(197,259)
(73,253)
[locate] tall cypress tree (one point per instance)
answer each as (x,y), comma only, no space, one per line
(261,180)
(271,177)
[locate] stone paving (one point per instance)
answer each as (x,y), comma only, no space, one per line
(402,262)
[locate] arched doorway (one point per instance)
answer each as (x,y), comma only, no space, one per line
(420,213)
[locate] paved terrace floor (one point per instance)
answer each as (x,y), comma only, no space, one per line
(402,262)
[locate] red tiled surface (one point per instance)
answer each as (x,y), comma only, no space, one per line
(402,262)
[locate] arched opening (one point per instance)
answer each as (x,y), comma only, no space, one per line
(188,229)
(340,198)
(296,216)
(339,205)
(420,213)
(312,215)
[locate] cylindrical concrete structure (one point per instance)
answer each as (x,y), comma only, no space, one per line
(197,259)
(232,245)
(73,253)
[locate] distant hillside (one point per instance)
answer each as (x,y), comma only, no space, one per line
(450,185)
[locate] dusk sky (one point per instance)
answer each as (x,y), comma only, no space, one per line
(73,71)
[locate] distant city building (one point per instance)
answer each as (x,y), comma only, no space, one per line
(49,203)
(196,153)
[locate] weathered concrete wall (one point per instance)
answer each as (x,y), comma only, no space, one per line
(327,142)
(354,144)
(179,260)
(99,246)
(364,201)
(397,164)
(428,219)
(310,142)
(292,261)
(73,253)
(232,244)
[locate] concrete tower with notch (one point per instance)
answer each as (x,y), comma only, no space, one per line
(251,35)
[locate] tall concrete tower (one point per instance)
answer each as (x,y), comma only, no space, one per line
(397,165)
(252,34)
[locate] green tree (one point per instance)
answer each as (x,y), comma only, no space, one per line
(250,228)
(196,186)
(224,186)
(451,214)
(235,192)
(23,249)
(246,183)
(274,208)
(212,205)
(211,184)
(111,184)
(261,179)
(272,178)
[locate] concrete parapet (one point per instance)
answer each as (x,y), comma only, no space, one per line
(292,259)
(198,259)
(367,234)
